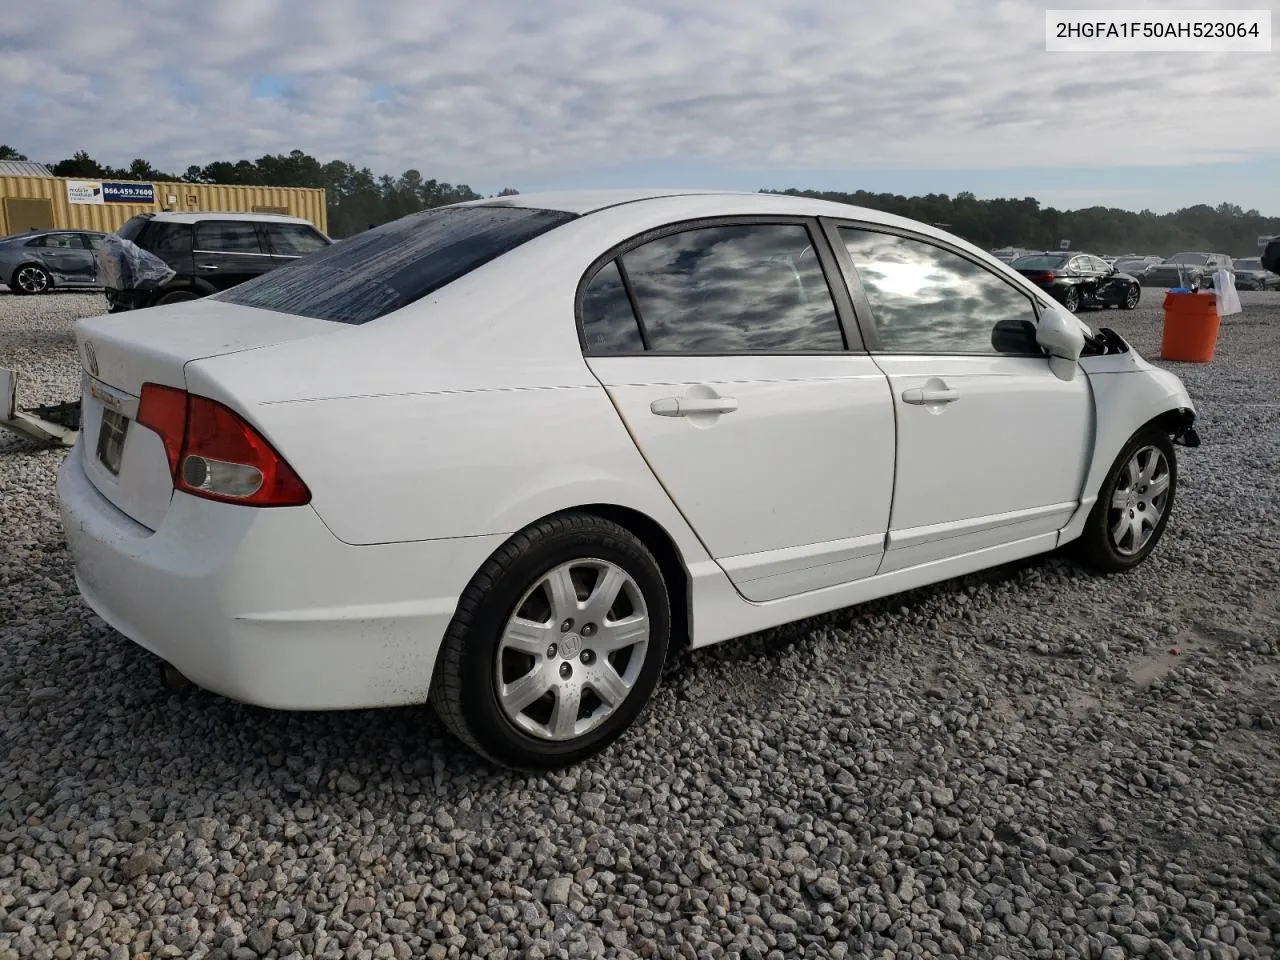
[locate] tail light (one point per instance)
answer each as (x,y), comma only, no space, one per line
(214,453)
(1047,277)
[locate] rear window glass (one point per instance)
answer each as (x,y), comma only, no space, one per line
(131,228)
(1038,263)
(376,272)
(228,236)
(294,239)
(169,238)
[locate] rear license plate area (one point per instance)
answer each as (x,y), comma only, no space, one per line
(111,436)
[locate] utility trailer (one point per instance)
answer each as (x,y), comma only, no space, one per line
(55,425)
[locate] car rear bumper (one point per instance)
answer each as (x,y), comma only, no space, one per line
(267,606)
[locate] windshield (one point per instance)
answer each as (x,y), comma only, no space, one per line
(1124,266)
(373,273)
(1038,263)
(1254,263)
(1197,259)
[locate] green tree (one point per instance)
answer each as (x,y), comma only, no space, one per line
(8,153)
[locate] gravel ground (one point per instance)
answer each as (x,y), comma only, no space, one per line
(1033,762)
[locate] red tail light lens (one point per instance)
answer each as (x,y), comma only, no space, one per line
(214,453)
(1047,277)
(164,410)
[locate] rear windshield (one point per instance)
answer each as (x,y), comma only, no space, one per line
(1192,258)
(131,228)
(1038,263)
(373,273)
(1253,264)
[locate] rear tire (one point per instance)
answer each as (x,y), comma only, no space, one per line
(177,296)
(1071,299)
(1133,506)
(539,668)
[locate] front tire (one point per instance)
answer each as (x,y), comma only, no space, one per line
(1071,299)
(30,279)
(1133,505)
(1131,297)
(557,644)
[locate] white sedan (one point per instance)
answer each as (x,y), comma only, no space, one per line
(503,456)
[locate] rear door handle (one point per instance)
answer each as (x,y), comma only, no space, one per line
(920,395)
(684,406)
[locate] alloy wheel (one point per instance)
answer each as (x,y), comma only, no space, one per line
(1139,500)
(32,280)
(573,649)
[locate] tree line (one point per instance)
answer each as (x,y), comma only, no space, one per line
(357,198)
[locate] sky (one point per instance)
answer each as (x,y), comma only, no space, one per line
(908,97)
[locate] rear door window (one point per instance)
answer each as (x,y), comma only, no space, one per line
(228,236)
(734,289)
(294,239)
(168,238)
(373,273)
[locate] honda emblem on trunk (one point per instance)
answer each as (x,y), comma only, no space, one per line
(90,358)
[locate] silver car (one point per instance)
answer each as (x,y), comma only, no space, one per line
(41,260)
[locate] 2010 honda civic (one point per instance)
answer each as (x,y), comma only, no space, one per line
(503,456)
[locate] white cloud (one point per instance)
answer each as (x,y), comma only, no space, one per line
(497,91)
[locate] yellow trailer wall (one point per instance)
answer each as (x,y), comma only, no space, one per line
(186,198)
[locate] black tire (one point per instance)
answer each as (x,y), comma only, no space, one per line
(29,279)
(1096,546)
(1071,299)
(177,296)
(1131,297)
(464,689)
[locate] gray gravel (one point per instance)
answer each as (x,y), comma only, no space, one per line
(1012,765)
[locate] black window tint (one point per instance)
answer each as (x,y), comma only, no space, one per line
(754,287)
(375,272)
(925,299)
(92,240)
(169,238)
(294,239)
(227,236)
(608,322)
(131,228)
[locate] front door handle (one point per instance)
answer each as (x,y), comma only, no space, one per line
(208,266)
(685,406)
(922,395)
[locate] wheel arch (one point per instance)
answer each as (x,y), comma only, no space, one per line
(664,549)
(1128,400)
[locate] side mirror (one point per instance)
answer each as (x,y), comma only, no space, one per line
(1063,340)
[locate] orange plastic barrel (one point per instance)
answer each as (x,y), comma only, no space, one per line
(1190,327)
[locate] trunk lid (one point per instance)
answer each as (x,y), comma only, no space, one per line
(120,352)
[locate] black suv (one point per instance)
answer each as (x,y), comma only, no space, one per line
(209,252)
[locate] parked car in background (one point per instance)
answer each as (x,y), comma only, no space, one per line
(1192,269)
(209,252)
(45,260)
(1251,275)
(1271,255)
(1080,280)
(346,483)
(1135,266)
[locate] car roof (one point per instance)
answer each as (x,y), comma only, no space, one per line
(709,203)
(174,216)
